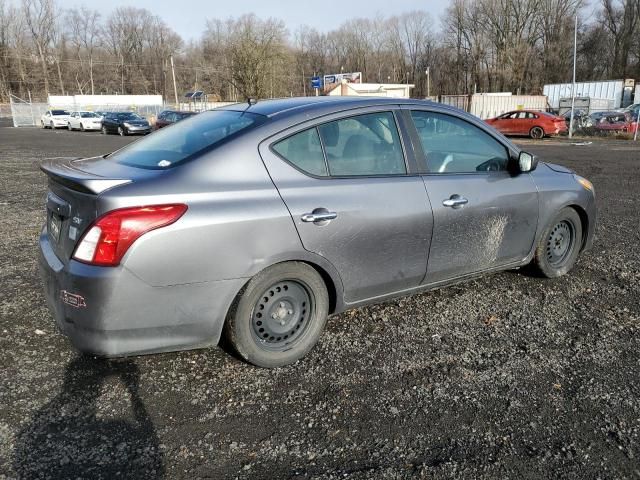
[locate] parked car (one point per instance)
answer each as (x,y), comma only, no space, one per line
(256,221)
(84,121)
(125,123)
(580,119)
(529,122)
(54,118)
(169,117)
(617,122)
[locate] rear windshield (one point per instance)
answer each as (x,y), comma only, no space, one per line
(59,112)
(88,115)
(170,146)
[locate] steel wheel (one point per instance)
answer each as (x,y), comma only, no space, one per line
(281,315)
(537,133)
(558,247)
(560,243)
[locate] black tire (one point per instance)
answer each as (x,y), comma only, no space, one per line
(281,332)
(122,131)
(559,246)
(69,127)
(44,127)
(104,130)
(51,125)
(536,133)
(81,127)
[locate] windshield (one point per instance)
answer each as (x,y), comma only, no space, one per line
(171,146)
(88,115)
(128,116)
(59,112)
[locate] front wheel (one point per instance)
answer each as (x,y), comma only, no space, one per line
(81,127)
(104,130)
(559,245)
(122,132)
(69,127)
(536,133)
(279,316)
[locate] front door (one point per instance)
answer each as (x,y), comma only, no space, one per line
(354,201)
(484,216)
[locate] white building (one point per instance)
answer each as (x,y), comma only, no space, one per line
(394,90)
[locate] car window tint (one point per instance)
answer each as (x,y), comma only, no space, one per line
(363,145)
(169,146)
(453,145)
(304,151)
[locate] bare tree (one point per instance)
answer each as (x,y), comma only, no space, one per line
(40,17)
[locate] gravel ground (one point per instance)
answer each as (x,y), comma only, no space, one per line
(509,376)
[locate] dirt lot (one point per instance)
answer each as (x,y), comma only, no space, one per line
(505,377)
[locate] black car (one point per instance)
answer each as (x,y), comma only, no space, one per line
(125,123)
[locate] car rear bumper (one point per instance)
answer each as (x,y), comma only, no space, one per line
(108,311)
(138,129)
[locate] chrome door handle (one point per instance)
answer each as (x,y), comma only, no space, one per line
(455,201)
(318,217)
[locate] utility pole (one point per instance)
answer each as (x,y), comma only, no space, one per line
(175,88)
(428,71)
(573,85)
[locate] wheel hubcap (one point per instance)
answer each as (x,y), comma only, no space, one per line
(281,315)
(560,243)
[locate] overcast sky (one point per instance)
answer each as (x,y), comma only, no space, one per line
(187,17)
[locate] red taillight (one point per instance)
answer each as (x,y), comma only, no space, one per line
(111,235)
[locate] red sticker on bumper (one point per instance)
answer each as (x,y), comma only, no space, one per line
(72,299)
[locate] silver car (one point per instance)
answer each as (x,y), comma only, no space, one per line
(256,221)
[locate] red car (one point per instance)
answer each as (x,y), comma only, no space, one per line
(529,122)
(616,122)
(169,117)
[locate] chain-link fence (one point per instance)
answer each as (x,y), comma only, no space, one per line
(29,114)
(592,117)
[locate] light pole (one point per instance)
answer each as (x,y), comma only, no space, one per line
(427,71)
(573,85)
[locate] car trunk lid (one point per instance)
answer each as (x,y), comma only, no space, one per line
(72,198)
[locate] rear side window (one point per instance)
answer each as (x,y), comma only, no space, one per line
(304,151)
(169,146)
(363,145)
(453,145)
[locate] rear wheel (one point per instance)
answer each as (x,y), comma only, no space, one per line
(536,133)
(69,127)
(104,130)
(559,246)
(279,316)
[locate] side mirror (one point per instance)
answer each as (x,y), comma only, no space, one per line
(527,162)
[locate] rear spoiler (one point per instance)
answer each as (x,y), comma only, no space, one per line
(61,170)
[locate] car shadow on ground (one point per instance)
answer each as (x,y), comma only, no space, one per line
(72,437)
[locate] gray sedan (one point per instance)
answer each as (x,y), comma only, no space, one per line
(256,221)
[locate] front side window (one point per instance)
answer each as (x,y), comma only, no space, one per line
(170,146)
(452,145)
(304,151)
(363,145)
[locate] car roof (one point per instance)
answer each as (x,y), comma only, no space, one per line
(294,105)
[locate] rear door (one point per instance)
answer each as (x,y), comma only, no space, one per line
(355,199)
(484,216)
